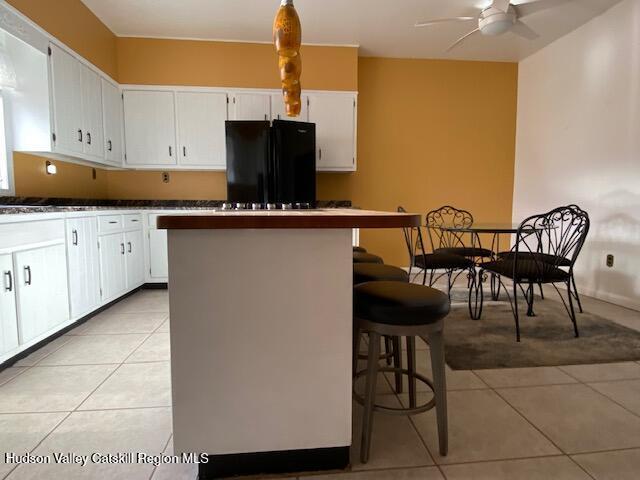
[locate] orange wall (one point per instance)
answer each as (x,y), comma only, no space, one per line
(431,132)
(73,181)
(226,64)
(71,22)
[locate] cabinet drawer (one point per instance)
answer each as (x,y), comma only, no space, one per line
(133,221)
(110,223)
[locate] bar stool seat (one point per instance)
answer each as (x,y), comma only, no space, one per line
(370,272)
(397,303)
(359,249)
(364,257)
(400,309)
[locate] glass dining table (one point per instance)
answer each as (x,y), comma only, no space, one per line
(476,296)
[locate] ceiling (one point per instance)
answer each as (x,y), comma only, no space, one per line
(379,27)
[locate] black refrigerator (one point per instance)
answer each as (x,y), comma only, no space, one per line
(271,162)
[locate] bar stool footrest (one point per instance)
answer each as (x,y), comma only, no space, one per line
(398,410)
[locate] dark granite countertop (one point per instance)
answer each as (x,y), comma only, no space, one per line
(17,205)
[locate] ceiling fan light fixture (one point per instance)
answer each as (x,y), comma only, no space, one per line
(496,22)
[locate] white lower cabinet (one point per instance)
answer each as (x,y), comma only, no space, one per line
(121,254)
(84,267)
(41,290)
(158,255)
(134,256)
(113,278)
(8,313)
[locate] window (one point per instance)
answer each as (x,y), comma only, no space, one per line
(5,185)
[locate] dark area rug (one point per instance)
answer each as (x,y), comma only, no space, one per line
(546,339)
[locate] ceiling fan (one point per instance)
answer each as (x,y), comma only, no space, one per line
(499,17)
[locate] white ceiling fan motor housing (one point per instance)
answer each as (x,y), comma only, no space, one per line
(493,21)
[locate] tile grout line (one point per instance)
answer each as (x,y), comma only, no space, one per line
(166,444)
(566,454)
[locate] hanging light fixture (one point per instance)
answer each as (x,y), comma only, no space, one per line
(287,36)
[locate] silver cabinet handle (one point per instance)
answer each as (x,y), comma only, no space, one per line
(266,117)
(109,145)
(10,278)
(113,221)
(27,275)
(129,245)
(74,236)
(79,134)
(135,220)
(88,138)
(170,151)
(184,151)
(320,151)
(122,248)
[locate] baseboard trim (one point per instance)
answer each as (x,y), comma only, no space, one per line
(278,462)
(155,286)
(36,346)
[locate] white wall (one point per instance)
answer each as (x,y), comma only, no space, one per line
(578,141)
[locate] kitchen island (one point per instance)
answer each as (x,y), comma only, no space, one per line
(261,325)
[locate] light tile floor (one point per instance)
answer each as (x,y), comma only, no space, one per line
(105,387)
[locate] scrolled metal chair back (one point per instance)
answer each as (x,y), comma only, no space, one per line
(447,216)
(413,239)
(551,240)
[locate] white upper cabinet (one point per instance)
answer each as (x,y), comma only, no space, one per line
(335,117)
(66,80)
(278,111)
(92,113)
(150,129)
(251,106)
(201,132)
(112,114)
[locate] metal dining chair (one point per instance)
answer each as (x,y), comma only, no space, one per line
(545,251)
(448,264)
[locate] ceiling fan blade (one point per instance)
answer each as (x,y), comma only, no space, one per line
(523,30)
(502,5)
(435,21)
(529,8)
(461,39)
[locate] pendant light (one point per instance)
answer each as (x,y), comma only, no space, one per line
(287,36)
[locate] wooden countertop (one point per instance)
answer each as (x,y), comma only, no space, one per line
(322,218)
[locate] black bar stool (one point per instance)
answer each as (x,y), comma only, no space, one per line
(371,272)
(400,309)
(359,249)
(364,257)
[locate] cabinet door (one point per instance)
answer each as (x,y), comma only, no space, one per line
(334,116)
(149,128)
(201,134)
(251,106)
(42,295)
(92,113)
(84,267)
(67,100)
(113,278)
(278,111)
(8,315)
(158,255)
(112,114)
(134,258)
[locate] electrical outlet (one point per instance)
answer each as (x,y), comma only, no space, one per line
(610,261)
(165,177)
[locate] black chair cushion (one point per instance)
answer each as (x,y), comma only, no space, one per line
(543,257)
(399,303)
(527,271)
(363,257)
(433,261)
(371,272)
(466,251)
(360,249)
